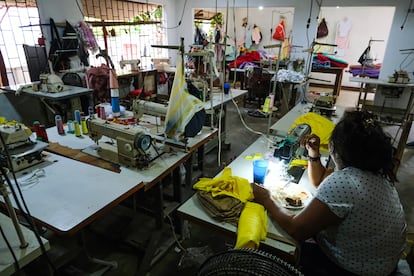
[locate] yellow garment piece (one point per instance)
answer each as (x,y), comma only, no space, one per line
(298,163)
(226,184)
(252,226)
(320,126)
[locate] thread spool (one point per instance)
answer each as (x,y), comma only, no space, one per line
(59,124)
(71,127)
(77,129)
(113,85)
(84,126)
(36,127)
(77,116)
(43,133)
(102,112)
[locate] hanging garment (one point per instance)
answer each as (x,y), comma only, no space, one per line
(256,35)
(182,105)
(280,31)
(248,43)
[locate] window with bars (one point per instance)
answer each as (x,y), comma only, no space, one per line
(19,27)
(124,29)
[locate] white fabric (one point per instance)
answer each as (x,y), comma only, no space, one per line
(371,236)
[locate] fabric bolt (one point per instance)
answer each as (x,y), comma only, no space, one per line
(371,237)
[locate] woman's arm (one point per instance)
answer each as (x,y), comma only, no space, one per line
(316,171)
(315,217)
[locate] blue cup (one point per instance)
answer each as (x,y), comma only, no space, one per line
(259,170)
(226,88)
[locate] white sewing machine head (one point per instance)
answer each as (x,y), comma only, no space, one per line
(131,147)
(141,107)
(134,64)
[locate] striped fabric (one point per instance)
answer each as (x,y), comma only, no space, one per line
(182,105)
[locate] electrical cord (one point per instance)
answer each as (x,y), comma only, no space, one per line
(406,15)
(33,179)
(25,211)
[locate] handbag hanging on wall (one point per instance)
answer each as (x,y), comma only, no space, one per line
(322,29)
(280,31)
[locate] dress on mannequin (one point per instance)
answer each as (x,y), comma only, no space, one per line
(342,35)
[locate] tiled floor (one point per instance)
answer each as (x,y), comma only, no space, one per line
(118,235)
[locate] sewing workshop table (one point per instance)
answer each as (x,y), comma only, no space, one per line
(338,72)
(71,94)
(24,255)
(277,239)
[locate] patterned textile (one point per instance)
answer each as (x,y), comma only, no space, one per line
(182,105)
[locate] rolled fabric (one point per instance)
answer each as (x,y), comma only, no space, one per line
(252,226)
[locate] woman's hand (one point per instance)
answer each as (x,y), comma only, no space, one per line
(312,143)
(261,194)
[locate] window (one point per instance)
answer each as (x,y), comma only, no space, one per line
(126,30)
(19,25)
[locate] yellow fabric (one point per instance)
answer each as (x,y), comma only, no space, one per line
(226,184)
(254,157)
(298,163)
(285,54)
(320,126)
(252,226)
(182,105)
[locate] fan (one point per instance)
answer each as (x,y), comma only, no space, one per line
(246,262)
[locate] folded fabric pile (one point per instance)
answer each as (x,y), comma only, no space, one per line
(323,60)
(228,198)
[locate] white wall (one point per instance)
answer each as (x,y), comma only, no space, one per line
(398,39)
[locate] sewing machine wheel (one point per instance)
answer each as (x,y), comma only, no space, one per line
(143,142)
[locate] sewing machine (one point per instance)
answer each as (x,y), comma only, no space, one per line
(130,146)
(133,63)
(289,147)
(22,150)
(141,107)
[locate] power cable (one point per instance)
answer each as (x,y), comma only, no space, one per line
(25,211)
(406,15)
(180,21)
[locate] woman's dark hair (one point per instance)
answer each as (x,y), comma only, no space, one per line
(359,141)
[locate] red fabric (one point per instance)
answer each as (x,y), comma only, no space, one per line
(338,64)
(280,31)
(247,57)
(334,63)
